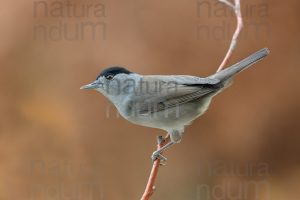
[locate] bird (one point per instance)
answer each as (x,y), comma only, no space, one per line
(166,102)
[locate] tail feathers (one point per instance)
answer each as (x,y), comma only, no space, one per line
(227,73)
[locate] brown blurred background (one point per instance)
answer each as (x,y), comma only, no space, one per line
(60,143)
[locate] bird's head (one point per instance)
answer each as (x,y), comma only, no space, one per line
(113,82)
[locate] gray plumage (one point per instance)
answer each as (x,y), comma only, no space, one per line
(240,66)
(165,102)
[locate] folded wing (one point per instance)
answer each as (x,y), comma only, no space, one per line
(159,93)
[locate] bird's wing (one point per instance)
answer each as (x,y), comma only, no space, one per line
(158,93)
(182,79)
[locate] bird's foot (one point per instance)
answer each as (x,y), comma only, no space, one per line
(157,155)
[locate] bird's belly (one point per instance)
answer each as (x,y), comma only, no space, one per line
(172,118)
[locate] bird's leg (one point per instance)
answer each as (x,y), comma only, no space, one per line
(157,154)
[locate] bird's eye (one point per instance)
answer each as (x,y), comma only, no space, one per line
(109,77)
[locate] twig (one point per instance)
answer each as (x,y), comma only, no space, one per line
(237,9)
(150,185)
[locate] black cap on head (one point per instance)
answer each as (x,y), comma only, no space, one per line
(114,70)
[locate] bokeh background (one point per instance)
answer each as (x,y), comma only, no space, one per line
(60,143)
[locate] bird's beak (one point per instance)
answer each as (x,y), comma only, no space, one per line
(94,85)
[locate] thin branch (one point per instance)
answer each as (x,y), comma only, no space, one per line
(151,181)
(238,13)
(228,3)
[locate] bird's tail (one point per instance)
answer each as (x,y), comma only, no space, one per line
(227,73)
